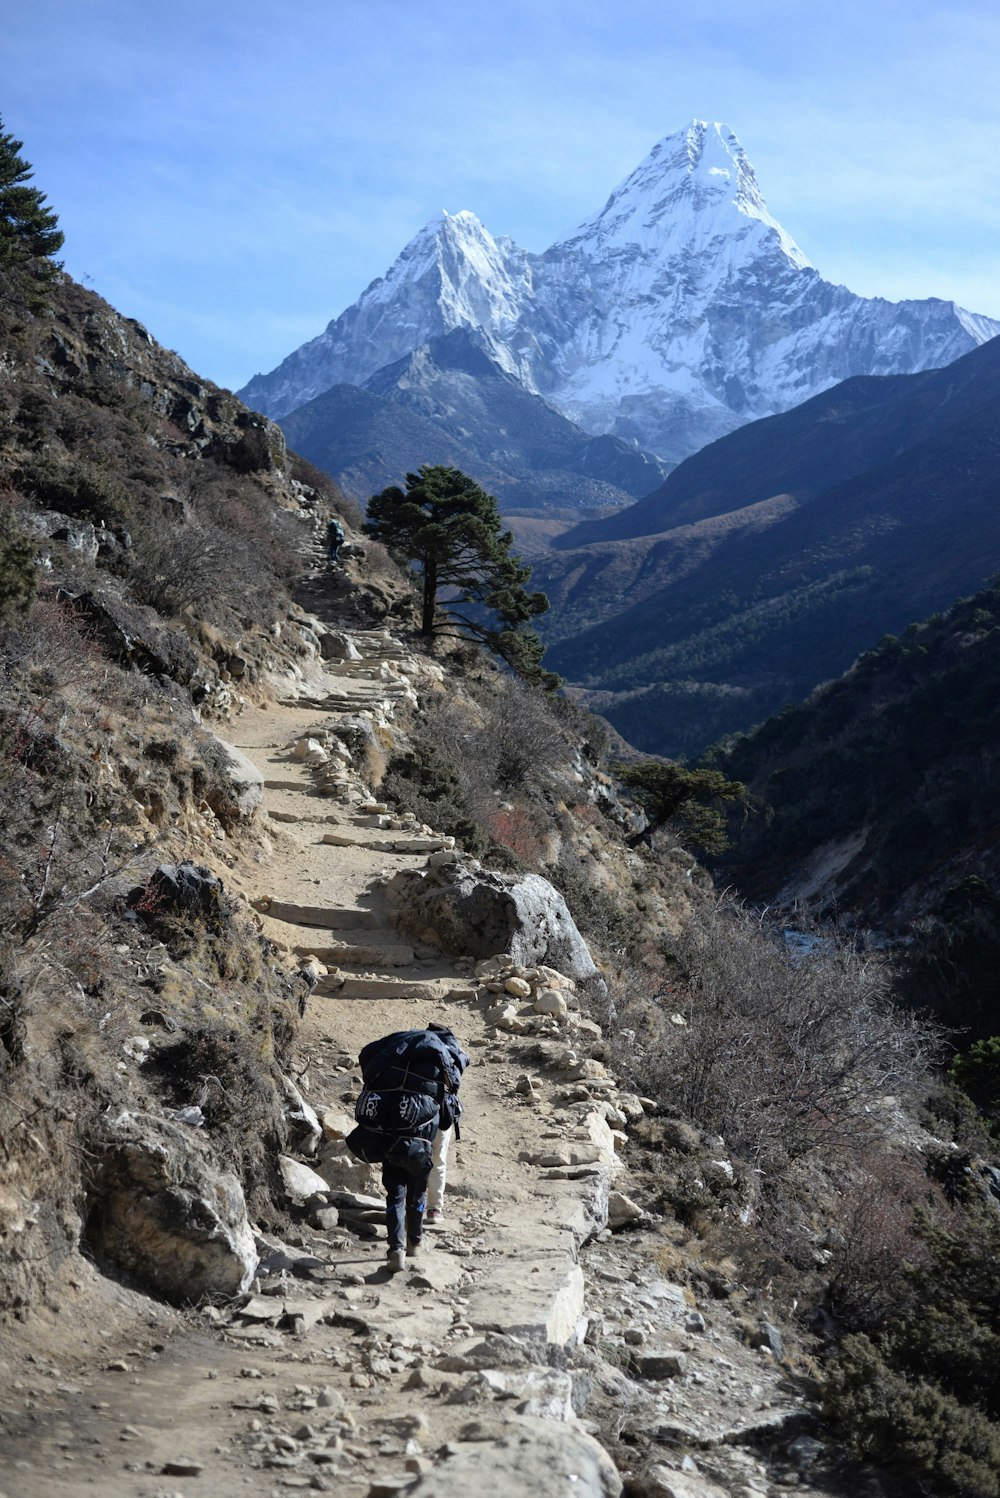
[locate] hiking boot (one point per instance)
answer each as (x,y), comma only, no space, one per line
(396,1260)
(412,1245)
(432,1216)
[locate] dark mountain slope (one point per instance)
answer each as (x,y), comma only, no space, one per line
(837,435)
(879,797)
(707,642)
(449,402)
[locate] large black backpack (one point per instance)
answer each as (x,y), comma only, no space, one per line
(411,1061)
(407,1078)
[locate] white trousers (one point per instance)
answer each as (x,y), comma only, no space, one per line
(439,1168)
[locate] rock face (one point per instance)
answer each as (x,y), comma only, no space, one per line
(244,784)
(465,910)
(451,402)
(165,1215)
(677,313)
(538,1457)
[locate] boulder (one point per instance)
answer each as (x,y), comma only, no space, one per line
(535,1456)
(341,1171)
(165,1214)
(180,889)
(540,1392)
(660,1481)
(241,793)
(76,535)
(467,911)
(768,1336)
(136,636)
(300,1181)
(622,1210)
(338,647)
(551,1001)
(305,1127)
(336,1124)
(659,1362)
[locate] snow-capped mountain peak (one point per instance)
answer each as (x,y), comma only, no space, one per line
(452,274)
(687,191)
(676,313)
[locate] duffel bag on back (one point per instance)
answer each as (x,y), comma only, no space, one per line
(413,1060)
(415,1156)
(368,1145)
(396,1111)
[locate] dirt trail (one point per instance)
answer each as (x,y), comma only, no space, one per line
(350,1391)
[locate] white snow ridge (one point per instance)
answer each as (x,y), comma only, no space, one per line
(678,312)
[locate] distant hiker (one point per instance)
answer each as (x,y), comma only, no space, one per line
(334,540)
(410,1081)
(445,1134)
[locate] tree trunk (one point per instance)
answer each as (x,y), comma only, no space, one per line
(430,598)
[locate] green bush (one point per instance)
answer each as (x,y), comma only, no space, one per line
(922,1398)
(73,488)
(424,782)
(18,574)
(978,1074)
(906,1424)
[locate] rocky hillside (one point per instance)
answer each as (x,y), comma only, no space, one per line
(770,560)
(149,531)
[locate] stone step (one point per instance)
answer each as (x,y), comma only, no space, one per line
(352,670)
(387,842)
(309,817)
(366,696)
(354,954)
(327,917)
(537,1297)
(372,986)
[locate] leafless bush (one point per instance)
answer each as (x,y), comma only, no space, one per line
(181,567)
(378,562)
(520,736)
(508,745)
(874,1240)
(782,1054)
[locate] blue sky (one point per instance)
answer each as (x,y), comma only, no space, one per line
(234,174)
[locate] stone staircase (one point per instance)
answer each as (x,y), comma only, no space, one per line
(524,1283)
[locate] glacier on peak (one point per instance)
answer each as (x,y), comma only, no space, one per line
(686,192)
(677,312)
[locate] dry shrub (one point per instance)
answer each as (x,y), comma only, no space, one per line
(875,1239)
(232,556)
(514,828)
(781,1053)
(378,562)
(53,644)
(520,739)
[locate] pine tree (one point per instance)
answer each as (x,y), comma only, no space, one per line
(29,235)
(451,529)
(670,794)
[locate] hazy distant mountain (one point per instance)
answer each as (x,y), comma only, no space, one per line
(674,315)
(768,561)
(449,402)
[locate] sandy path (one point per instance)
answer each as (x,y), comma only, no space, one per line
(241,1405)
